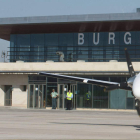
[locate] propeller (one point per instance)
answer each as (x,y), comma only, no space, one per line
(129,64)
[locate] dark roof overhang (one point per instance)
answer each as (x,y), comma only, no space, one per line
(69,24)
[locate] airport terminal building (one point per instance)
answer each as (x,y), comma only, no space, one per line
(89,46)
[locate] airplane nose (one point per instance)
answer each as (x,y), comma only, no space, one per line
(136,87)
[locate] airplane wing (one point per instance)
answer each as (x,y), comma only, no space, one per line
(82,80)
(107,84)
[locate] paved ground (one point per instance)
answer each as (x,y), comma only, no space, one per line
(62,124)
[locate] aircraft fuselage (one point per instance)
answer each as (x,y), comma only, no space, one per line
(136,86)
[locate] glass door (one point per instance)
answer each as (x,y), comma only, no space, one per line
(30,95)
(40,96)
(36,96)
(62,91)
(73,89)
(8,95)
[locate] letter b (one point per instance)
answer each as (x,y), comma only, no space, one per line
(80,38)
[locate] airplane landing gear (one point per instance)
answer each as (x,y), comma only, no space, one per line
(137,105)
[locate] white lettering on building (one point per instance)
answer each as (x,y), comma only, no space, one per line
(80,38)
(111,38)
(127,40)
(96,41)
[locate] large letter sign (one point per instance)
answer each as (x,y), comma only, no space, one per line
(94,40)
(80,38)
(129,38)
(111,37)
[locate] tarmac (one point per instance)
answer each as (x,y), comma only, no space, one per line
(32,124)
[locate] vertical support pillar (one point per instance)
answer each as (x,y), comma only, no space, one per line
(46,93)
(76,93)
(42,98)
(92,96)
(38,97)
(109,96)
(63,96)
(33,96)
(58,94)
(28,96)
(74,88)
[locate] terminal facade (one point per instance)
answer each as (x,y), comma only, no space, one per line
(92,47)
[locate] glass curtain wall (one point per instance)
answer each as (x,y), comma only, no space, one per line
(86,95)
(51,47)
(51,84)
(120,99)
(130,100)
(20,47)
(36,91)
(92,96)
(91,47)
(37,48)
(100,98)
(13,48)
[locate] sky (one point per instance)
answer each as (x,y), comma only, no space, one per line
(26,8)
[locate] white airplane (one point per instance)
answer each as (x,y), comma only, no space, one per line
(132,84)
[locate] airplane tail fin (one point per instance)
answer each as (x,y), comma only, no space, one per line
(129,64)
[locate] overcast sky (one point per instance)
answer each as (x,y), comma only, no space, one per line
(25,8)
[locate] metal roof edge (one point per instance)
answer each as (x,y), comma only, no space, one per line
(70,18)
(66,71)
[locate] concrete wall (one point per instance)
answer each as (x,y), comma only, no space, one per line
(19,97)
(68,66)
(1,95)
(13,79)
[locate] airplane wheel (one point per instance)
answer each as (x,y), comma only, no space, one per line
(137,104)
(138,110)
